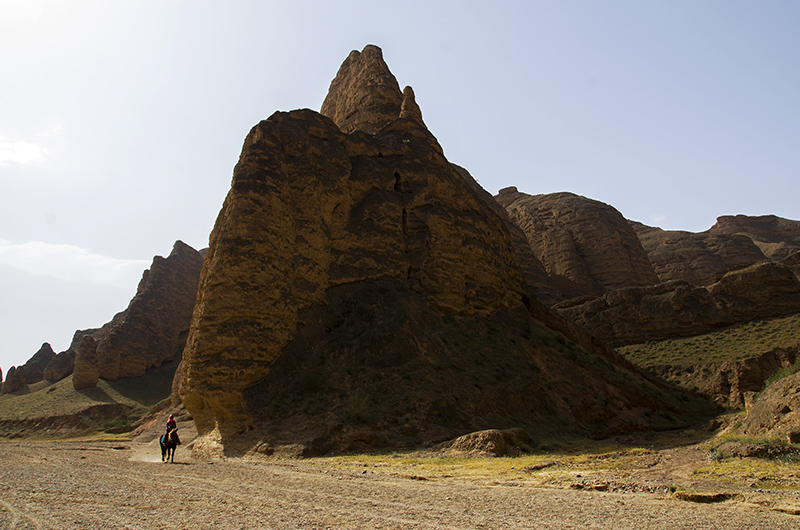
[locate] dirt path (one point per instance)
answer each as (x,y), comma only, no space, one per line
(88,486)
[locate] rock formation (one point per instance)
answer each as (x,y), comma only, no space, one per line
(358,293)
(61,365)
(15,380)
(87,372)
(152,330)
(776,237)
(34,368)
(679,309)
(587,247)
(533,270)
(695,258)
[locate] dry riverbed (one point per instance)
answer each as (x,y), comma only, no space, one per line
(124,485)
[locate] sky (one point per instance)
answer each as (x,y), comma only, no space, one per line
(121,122)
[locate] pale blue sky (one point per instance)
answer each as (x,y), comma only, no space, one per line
(120,122)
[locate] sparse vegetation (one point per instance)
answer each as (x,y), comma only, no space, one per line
(783,372)
(738,342)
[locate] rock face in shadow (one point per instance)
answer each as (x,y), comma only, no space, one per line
(34,368)
(358,293)
(679,309)
(587,247)
(533,270)
(777,238)
(15,380)
(695,257)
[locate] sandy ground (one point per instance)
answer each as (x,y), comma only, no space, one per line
(110,485)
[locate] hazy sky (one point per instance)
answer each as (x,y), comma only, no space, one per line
(120,122)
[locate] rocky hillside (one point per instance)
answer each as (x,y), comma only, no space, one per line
(627,283)
(358,293)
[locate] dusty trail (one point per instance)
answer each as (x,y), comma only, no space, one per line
(70,485)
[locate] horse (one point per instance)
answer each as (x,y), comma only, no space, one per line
(169,442)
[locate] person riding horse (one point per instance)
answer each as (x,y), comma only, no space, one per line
(169,440)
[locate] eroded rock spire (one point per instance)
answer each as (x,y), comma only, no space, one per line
(365,96)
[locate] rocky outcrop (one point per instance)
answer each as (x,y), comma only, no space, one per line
(61,365)
(679,309)
(776,237)
(87,372)
(34,368)
(587,247)
(365,96)
(763,290)
(357,293)
(695,258)
(15,380)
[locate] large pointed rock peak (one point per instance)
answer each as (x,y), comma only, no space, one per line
(365,96)
(358,292)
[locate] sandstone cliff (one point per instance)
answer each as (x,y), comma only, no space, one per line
(695,257)
(359,293)
(776,237)
(587,247)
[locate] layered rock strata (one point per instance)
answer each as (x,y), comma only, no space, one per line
(587,247)
(678,309)
(776,237)
(312,208)
(695,258)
